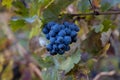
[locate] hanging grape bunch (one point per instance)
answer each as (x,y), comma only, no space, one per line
(60,36)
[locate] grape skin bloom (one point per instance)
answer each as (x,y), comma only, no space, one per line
(60,36)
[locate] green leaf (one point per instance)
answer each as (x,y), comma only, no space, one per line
(52,11)
(45,3)
(107,4)
(7,3)
(99,28)
(67,65)
(18,24)
(108,24)
(51,74)
(21,9)
(37,6)
(35,31)
(83,5)
(76,57)
(47,62)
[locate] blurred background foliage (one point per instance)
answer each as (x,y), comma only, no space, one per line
(95,55)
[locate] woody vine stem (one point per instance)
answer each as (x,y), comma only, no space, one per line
(95,12)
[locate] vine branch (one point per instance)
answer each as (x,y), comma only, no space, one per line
(96,13)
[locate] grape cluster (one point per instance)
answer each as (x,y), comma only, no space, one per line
(60,36)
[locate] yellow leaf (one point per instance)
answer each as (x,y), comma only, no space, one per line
(7,3)
(107,46)
(7,74)
(1,62)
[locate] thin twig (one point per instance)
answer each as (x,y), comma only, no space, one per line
(36,70)
(91,5)
(104,74)
(99,13)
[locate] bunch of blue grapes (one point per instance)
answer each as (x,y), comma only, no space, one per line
(60,36)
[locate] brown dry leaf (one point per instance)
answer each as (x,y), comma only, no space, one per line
(96,3)
(92,44)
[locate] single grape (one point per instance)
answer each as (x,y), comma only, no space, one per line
(59,39)
(73,34)
(52,40)
(62,33)
(45,30)
(48,36)
(49,47)
(74,39)
(61,26)
(56,28)
(72,27)
(50,24)
(67,40)
(66,24)
(76,28)
(68,31)
(67,48)
(61,46)
(52,33)
(53,52)
(55,47)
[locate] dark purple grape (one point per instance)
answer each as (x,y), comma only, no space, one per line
(50,24)
(60,36)
(61,27)
(73,33)
(48,36)
(52,33)
(52,40)
(59,39)
(49,47)
(74,39)
(67,40)
(62,33)
(66,24)
(45,30)
(67,48)
(55,47)
(56,28)
(53,52)
(68,31)
(61,46)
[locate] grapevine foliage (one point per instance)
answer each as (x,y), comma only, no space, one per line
(98,39)
(60,36)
